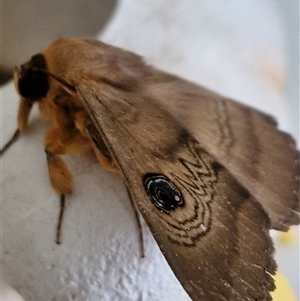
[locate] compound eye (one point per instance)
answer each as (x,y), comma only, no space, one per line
(31,80)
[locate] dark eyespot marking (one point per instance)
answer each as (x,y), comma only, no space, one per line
(163,192)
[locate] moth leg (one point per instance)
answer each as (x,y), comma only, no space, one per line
(59,141)
(107,162)
(100,148)
(24,110)
(60,176)
(10,142)
(87,129)
(60,218)
(139,224)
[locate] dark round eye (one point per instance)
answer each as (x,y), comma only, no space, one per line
(33,84)
(32,80)
(163,193)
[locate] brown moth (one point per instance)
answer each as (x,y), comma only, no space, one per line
(210,176)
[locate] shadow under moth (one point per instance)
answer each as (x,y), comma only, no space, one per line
(210,176)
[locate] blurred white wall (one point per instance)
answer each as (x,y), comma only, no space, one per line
(28,25)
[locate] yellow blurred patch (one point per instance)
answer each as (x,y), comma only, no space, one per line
(286,237)
(283,290)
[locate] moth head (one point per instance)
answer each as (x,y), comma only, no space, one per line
(31,80)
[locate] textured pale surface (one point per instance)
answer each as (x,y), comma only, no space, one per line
(235,47)
(8,293)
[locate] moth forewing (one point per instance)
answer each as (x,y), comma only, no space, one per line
(218,217)
(210,176)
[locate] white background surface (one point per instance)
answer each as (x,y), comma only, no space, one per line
(235,47)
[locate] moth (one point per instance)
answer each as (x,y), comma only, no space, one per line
(210,176)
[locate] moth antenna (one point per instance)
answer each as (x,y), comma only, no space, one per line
(10,142)
(71,89)
(139,224)
(60,218)
(17,69)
